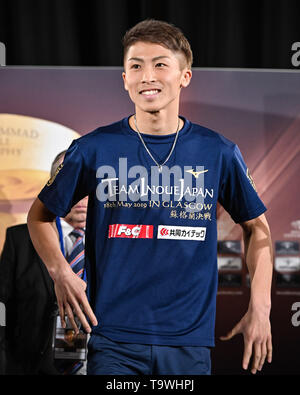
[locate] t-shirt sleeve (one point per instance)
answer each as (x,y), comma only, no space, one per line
(237,193)
(69,184)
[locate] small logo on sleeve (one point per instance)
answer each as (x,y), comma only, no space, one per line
(131,231)
(251,180)
(54,175)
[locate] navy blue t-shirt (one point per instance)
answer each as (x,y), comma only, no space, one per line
(151,236)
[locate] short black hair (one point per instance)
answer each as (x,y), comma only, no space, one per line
(159,32)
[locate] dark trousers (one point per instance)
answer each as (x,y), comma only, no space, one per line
(107,357)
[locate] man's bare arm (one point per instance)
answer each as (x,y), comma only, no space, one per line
(255,325)
(259,259)
(69,288)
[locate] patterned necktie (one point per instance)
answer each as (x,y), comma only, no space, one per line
(76,255)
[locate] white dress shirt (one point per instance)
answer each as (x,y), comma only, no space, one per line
(67,238)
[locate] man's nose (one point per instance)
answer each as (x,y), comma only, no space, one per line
(148,75)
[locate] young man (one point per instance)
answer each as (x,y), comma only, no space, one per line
(153,181)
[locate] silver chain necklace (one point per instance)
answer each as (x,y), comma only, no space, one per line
(159,165)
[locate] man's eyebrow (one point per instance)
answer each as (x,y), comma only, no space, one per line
(135,59)
(153,60)
(160,57)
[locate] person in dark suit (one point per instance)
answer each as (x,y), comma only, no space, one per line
(27,291)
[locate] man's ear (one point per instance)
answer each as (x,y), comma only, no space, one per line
(186,78)
(124,80)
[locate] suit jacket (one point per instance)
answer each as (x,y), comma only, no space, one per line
(27,290)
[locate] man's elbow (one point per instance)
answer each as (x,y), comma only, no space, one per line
(39,213)
(258,223)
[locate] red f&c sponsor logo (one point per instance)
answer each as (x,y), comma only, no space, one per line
(131,231)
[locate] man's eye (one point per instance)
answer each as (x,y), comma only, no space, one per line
(135,66)
(160,64)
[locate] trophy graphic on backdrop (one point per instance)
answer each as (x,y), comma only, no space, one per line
(27,148)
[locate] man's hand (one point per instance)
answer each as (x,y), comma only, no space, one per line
(72,299)
(256,329)
(69,288)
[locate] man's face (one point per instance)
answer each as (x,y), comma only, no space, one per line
(154,76)
(78,212)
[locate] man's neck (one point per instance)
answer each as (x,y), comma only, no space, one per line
(156,123)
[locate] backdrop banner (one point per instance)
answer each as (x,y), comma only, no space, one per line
(43,109)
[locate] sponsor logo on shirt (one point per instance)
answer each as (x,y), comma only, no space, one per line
(181,232)
(131,231)
(196,173)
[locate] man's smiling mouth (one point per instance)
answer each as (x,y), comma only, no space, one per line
(150,92)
